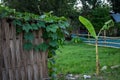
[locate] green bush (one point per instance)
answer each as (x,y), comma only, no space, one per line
(76,39)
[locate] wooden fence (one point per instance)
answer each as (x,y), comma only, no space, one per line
(15,62)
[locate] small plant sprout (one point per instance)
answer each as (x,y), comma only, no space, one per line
(92,32)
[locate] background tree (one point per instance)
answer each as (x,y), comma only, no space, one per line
(96,11)
(116,8)
(99,16)
(61,7)
(115,5)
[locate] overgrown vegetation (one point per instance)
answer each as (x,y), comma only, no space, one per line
(80,59)
(53,30)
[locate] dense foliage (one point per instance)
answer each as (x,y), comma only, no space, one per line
(59,8)
(99,16)
(53,29)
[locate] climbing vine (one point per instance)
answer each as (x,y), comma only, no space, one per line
(53,30)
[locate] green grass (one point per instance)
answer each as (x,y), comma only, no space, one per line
(80,58)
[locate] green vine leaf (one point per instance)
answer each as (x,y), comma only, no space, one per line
(17,22)
(29,36)
(53,43)
(28,46)
(53,36)
(41,24)
(27,27)
(42,47)
(52,28)
(26,18)
(63,24)
(34,26)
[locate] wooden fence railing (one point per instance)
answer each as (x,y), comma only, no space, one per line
(17,63)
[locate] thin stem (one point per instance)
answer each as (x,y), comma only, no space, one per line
(97,58)
(99,32)
(39,9)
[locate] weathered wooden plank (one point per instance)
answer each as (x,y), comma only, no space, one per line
(18,59)
(4,75)
(1,56)
(7,40)
(40,35)
(11,74)
(18,53)
(31,58)
(26,56)
(44,64)
(35,67)
(17,75)
(7,49)
(12,53)
(22,71)
(37,56)
(40,61)
(13,49)
(11,45)
(13,35)
(23,56)
(4,51)
(29,72)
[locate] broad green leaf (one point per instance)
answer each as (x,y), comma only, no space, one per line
(53,43)
(28,46)
(34,26)
(29,36)
(27,27)
(17,22)
(66,23)
(108,24)
(26,18)
(52,28)
(61,25)
(104,27)
(41,24)
(66,32)
(88,25)
(43,47)
(36,47)
(49,19)
(53,36)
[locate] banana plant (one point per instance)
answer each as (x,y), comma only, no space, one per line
(92,32)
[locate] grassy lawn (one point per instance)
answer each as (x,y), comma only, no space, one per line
(80,58)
